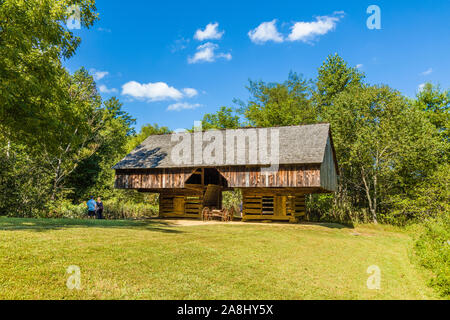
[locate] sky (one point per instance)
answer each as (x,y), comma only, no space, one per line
(170,62)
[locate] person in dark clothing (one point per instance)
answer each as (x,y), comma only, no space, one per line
(99,210)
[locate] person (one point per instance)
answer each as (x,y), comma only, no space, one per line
(92,206)
(99,211)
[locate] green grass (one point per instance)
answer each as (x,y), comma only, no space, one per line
(152,260)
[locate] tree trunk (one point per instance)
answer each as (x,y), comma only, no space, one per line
(8,147)
(372,208)
(55,182)
(374,211)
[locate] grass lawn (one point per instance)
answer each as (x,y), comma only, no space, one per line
(154,260)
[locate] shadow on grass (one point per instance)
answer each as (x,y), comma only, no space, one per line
(42,225)
(333,225)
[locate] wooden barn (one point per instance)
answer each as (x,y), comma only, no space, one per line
(305,164)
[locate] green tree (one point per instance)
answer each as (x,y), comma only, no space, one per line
(334,77)
(382,142)
(222,119)
(79,124)
(24,182)
(146,131)
(33,41)
(94,175)
(274,104)
(436,103)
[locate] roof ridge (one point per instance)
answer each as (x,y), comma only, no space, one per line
(245,128)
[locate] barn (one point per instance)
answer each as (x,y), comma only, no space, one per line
(274,167)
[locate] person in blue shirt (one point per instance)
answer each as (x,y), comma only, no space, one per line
(92,206)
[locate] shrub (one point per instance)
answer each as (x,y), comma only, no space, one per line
(114,209)
(432,250)
(63,209)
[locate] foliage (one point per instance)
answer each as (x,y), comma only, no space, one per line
(146,131)
(114,209)
(24,183)
(232,200)
(94,175)
(429,200)
(33,40)
(432,249)
(436,103)
(129,210)
(335,77)
(222,119)
(380,142)
(274,104)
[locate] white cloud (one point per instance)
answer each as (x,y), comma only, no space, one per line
(266,31)
(98,75)
(427,72)
(157,91)
(182,106)
(211,32)
(307,31)
(206,53)
(359,66)
(190,92)
(105,89)
(421,86)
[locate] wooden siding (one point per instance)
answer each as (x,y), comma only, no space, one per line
(237,177)
(269,205)
(287,176)
(152,178)
(181,206)
(320,178)
(328,173)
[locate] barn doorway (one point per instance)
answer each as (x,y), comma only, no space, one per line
(205,177)
(211,183)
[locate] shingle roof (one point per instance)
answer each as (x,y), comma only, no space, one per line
(304,144)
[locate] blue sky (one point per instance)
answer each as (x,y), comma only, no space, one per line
(167,66)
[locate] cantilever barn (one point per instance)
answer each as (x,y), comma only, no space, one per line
(175,167)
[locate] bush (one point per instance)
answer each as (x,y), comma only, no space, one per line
(63,210)
(113,209)
(232,200)
(432,250)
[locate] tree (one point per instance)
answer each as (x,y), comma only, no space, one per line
(33,41)
(146,131)
(383,143)
(436,104)
(277,104)
(94,175)
(334,77)
(79,121)
(222,119)
(24,182)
